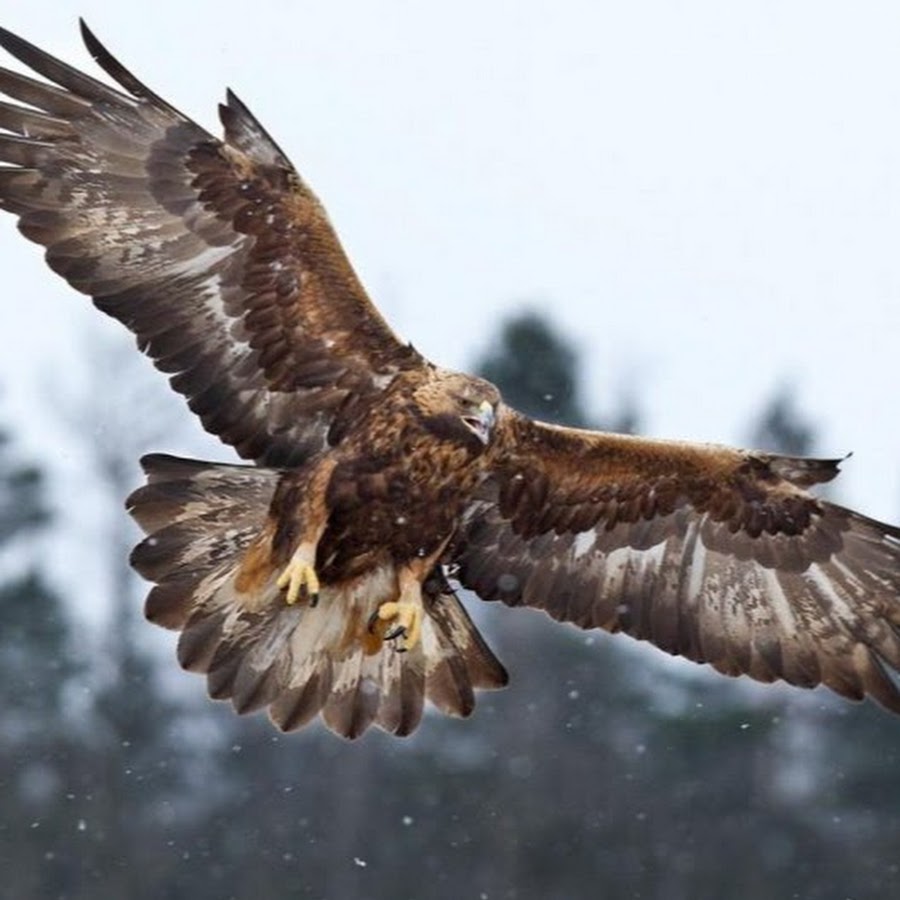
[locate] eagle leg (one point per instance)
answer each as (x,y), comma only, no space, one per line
(400,620)
(299,576)
(299,506)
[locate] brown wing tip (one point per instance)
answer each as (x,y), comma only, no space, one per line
(98,52)
(88,36)
(117,71)
(14,44)
(805,471)
(244,131)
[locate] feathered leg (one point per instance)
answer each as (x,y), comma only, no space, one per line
(400,620)
(299,575)
(298,517)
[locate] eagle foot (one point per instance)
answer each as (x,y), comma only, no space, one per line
(398,621)
(300,578)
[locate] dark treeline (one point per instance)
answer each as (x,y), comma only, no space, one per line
(605,770)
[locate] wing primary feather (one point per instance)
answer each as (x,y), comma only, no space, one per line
(23,152)
(30,123)
(119,73)
(39,94)
(59,72)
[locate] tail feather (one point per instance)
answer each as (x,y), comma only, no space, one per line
(166,603)
(401,709)
(353,703)
(299,661)
(458,659)
(296,707)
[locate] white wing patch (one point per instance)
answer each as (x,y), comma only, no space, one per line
(584,541)
(713,593)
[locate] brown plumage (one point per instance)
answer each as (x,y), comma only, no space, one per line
(297,581)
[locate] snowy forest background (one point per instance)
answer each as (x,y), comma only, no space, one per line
(604,770)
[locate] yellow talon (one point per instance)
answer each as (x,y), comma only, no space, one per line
(299,577)
(401,620)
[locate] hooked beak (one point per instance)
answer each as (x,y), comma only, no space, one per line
(482,423)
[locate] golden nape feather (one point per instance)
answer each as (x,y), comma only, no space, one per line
(314,580)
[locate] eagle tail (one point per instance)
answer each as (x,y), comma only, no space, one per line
(299,661)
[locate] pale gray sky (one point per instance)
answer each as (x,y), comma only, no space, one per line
(705,195)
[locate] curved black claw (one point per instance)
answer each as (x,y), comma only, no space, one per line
(394,634)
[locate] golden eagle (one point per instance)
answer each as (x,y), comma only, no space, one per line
(319,578)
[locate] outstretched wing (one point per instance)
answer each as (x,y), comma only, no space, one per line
(715,554)
(214,253)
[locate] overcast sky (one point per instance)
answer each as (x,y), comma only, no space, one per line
(704,195)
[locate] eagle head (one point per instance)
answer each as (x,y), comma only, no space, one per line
(457,407)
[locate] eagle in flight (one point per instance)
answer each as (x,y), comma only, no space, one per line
(320,577)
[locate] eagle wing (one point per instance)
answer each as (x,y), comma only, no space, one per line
(718,555)
(213,252)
